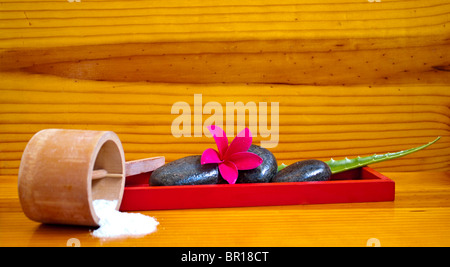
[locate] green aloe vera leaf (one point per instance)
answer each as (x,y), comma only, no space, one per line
(346,164)
(282,166)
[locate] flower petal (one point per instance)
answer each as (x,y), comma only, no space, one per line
(246,160)
(228,171)
(210,156)
(241,143)
(221,139)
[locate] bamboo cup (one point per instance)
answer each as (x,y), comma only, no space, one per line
(63,171)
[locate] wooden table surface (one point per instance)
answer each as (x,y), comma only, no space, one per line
(420,216)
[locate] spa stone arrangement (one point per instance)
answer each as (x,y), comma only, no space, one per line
(237,174)
(244,162)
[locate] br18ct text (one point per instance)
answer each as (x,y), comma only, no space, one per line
(246,256)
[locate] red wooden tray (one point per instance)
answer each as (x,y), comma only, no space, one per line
(358,185)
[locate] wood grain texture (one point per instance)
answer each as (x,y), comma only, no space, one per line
(418,217)
(292,42)
(315,122)
(351,77)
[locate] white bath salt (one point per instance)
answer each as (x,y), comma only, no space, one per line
(114,224)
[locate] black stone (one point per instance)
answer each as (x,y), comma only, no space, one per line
(185,171)
(304,171)
(264,172)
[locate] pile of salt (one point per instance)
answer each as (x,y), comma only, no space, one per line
(115,224)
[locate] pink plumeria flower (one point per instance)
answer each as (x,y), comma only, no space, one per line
(231,158)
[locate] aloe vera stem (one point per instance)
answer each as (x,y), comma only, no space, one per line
(346,164)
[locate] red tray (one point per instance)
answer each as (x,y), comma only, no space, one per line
(359,185)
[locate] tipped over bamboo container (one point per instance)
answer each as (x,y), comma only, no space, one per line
(63,171)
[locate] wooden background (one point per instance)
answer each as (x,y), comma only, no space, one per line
(351,77)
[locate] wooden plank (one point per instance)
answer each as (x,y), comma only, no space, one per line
(315,121)
(410,64)
(330,42)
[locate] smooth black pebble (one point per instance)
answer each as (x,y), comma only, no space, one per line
(304,171)
(264,172)
(185,171)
